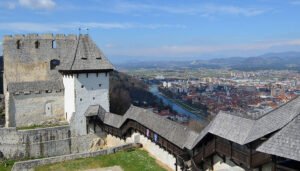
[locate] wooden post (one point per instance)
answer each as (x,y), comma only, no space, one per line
(215,145)
(212,162)
(230,150)
(274,163)
(250,157)
(176,164)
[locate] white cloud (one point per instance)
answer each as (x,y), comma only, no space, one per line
(37,4)
(30,4)
(195,50)
(233,10)
(53,27)
(8,5)
(295,2)
(11,5)
(201,9)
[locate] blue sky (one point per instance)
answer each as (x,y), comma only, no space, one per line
(163,29)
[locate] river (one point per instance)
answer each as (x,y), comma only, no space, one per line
(180,110)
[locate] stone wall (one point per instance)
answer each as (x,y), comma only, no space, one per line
(154,150)
(26,62)
(90,89)
(29,109)
(31,63)
(44,142)
(220,165)
(28,165)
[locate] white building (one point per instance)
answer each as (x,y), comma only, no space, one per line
(86,82)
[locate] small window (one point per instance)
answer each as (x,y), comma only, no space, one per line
(54,63)
(18,43)
(37,44)
(48,109)
(93,98)
(53,44)
(80,99)
(82,86)
(100,85)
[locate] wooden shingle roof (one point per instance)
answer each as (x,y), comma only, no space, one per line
(86,57)
(35,86)
(285,119)
(172,131)
(284,143)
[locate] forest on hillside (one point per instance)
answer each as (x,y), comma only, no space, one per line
(126,90)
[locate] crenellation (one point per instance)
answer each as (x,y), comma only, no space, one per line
(19,36)
(47,36)
(60,36)
(32,36)
(40,36)
(7,37)
(72,36)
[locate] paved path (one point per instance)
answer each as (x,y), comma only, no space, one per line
(113,168)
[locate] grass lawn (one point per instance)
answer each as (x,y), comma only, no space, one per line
(40,126)
(134,160)
(6,165)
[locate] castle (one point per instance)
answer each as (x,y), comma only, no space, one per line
(53,77)
(65,79)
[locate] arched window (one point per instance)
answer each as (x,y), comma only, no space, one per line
(37,44)
(18,43)
(53,44)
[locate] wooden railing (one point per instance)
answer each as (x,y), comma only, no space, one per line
(241,156)
(194,166)
(210,148)
(182,161)
(198,157)
(134,126)
(258,159)
(215,145)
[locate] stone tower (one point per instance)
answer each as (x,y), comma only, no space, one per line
(86,82)
(44,75)
(33,86)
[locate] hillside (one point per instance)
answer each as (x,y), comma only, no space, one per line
(279,61)
(126,90)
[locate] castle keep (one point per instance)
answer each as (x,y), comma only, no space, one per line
(65,79)
(50,77)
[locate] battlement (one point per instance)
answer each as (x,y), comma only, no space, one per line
(40,36)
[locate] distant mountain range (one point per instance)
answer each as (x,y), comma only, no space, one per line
(283,60)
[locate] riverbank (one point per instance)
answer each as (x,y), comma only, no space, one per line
(180,109)
(185,106)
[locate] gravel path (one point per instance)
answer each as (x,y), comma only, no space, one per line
(113,168)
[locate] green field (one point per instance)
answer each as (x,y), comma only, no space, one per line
(134,160)
(6,165)
(41,126)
